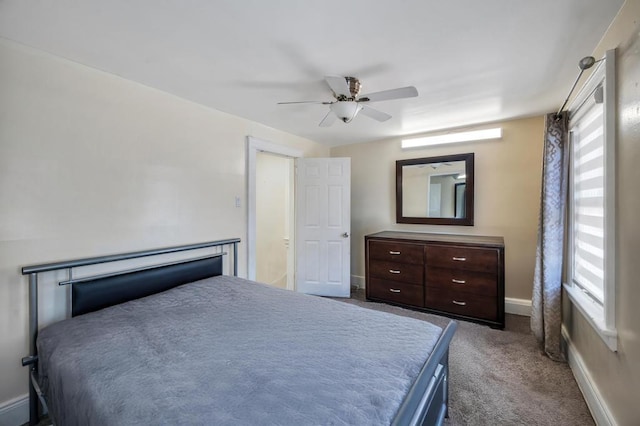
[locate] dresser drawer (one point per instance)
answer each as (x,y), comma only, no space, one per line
(396,292)
(458,275)
(404,272)
(456,302)
(468,258)
(396,252)
(464,281)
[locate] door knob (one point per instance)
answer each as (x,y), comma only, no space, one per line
(345,235)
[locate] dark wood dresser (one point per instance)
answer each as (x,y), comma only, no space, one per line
(456,275)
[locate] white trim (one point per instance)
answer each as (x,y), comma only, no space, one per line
(517,306)
(594,314)
(610,189)
(255,145)
(15,411)
(600,317)
(592,396)
(357,281)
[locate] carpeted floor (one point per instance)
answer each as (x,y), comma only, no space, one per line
(501,377)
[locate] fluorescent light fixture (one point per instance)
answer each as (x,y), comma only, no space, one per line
(474,135)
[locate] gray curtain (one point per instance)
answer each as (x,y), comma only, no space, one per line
(546,313)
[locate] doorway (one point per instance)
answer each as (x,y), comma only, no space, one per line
(274,220)
(259,150)
(320,261)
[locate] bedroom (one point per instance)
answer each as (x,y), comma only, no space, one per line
(152,155)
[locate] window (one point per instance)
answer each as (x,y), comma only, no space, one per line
(591,227)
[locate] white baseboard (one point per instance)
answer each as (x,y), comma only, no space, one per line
(517,306)
(357,281)
(15,411)
(599,409)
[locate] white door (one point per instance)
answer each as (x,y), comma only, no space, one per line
(323,226)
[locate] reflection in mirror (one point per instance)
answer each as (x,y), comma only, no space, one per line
(430,189)
(436,190)
(459,201)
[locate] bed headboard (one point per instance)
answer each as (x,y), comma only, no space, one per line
(97,292)
(93,294)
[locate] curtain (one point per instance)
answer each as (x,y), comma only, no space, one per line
(546,313)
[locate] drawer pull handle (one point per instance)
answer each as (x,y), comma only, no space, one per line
(394,253)
(394,271)
(394,290)
(459,303)
(459,259)
(458,281)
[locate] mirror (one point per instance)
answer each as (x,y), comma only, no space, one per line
(435,190)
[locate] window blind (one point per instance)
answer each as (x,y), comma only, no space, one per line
(587,139)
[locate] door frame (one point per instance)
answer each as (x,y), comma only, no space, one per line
(255,145)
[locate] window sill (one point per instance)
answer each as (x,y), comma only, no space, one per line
(594,315)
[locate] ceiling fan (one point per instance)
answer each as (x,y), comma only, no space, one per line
(349,103)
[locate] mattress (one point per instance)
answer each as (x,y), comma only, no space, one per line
(225,350)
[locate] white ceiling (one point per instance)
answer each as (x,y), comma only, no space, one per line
(471,61)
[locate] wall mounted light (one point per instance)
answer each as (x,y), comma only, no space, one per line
(474,135)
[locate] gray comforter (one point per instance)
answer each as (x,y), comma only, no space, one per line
(230,351)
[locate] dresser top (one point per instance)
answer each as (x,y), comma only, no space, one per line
(440,238)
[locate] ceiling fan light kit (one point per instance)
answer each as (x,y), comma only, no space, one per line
(345,110)
(348,102)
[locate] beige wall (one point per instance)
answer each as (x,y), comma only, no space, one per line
(507,193)
(92,164)
(616,376)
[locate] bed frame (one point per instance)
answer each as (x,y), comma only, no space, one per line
(426,402)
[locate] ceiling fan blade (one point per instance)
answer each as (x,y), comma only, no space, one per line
(304,102)
(328,119)
(387,95)
(374,113)
(338,85)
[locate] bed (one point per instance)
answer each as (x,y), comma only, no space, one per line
(182,343)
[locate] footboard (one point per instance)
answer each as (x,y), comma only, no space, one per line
(428,399)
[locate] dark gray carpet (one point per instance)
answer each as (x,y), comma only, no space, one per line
(501,377)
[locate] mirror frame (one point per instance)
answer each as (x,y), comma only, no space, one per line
(469,168)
